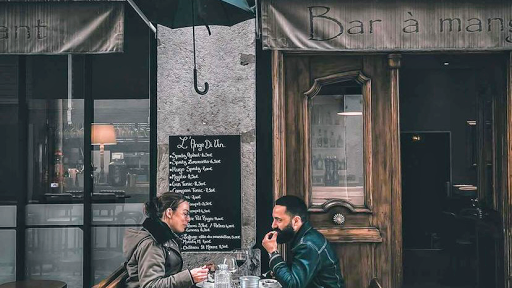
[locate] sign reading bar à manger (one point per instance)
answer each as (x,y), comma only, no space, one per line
(375,25)
(206,169)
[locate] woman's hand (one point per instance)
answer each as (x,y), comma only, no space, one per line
(199,274)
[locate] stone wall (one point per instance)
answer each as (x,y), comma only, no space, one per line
(226,60)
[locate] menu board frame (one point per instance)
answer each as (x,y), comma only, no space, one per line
(206,169)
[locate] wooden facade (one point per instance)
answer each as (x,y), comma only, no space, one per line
(369,243)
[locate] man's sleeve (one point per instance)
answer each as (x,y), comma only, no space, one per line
(304,266)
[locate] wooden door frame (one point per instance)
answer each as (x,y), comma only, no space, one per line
(279,152)
(505,206)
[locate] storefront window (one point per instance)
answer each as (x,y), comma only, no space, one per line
(48,105)
(336,127)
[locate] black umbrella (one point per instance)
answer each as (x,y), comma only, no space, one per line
(186,13)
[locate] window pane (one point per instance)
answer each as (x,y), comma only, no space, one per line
(55,253)
(120,139)
(107,251)
(55,214)
(9,166)
(117,213)
(337,144)
(55,129)
(8,256)
(8,216)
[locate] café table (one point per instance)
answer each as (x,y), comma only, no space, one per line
(35,284)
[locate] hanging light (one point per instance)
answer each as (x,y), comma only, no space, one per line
(351,105)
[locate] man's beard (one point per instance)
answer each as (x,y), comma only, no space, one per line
(285,235)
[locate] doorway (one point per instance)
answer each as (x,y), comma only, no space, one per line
(448,108)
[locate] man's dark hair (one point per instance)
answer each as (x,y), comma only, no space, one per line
(294,206)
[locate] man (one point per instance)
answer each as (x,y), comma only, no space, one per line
(314,264)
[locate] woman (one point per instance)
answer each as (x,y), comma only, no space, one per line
(153,253)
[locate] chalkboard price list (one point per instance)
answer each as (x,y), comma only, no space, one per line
(206,170)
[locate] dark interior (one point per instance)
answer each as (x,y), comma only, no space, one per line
(450,236)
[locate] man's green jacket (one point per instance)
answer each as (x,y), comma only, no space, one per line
(314,263)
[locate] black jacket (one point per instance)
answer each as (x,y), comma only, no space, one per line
(314,263)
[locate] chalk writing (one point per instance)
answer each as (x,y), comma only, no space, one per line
(206,169)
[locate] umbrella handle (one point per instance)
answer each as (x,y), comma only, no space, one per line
(206,86)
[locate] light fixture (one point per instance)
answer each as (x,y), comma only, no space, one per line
(351,105)
(103,134)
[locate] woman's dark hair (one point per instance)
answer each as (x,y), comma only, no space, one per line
(155,209)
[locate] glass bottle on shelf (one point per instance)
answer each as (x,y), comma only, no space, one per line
(336,175)
(339,142)
(319,138)
(342,165)
(327,174)
(319,163)
(325,142)
(58,173)
(332,142)
(329,118)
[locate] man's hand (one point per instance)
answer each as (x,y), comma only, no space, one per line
(270,241)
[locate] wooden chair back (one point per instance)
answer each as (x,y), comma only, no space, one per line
(115,280)
(374,283)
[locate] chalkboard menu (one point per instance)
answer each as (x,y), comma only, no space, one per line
(206,169)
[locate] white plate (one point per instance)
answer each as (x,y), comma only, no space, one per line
(269,283)
(205,284)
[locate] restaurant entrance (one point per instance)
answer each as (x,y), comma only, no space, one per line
(414,190)
(451,117)
(337,146)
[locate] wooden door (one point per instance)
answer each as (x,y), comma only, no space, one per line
(369,241)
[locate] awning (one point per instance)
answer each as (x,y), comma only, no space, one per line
(376,25)
(61,27)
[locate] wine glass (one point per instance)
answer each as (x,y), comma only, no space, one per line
(241,256)
(231,262)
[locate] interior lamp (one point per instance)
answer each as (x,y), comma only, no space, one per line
(103,134)
(351,105)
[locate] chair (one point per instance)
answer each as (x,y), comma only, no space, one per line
(115,280)
(374,283)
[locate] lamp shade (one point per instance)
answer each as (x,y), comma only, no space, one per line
(103,134)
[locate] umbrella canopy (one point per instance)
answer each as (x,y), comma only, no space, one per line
(178,13)
(187,13)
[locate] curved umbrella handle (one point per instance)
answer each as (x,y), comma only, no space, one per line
(206,86)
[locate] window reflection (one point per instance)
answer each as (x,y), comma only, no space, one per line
(107,253)
(121,165)
(8,256)
(56,254)
(55,129)
(337,144)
